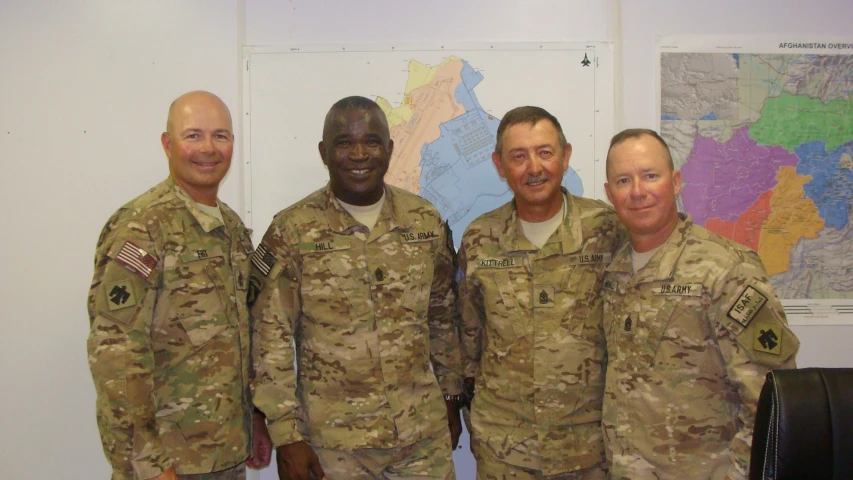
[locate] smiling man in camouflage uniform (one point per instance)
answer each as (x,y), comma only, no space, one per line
(531,312)
(358,276)
(169,342)
(692,324)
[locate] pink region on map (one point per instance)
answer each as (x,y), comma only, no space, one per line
(723,180)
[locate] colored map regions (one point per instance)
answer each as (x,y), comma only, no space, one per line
(792,218)
(832,186)
(820,268)
(428,102)
(791,120)
(723,180)
(746,229)
(443,144)
(777,174)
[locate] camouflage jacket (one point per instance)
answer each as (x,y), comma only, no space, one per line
(533,337)
(689,338)
(169,341)
(367,312)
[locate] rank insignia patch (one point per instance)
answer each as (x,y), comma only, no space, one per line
(768,339)
(543,297)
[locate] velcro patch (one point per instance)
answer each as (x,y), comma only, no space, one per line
(380,276)
(590,258)
(768,338)
(256,284)
(508,262)
(679,289)
(610,285)
(543,297)
(136,259)
(120,295)
(263,260)
(747,305)
(409,237)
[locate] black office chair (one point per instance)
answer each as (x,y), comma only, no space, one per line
(804,426)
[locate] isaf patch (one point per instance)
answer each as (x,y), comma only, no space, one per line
(768,338)
(263,259)
(747,305)
(120,295)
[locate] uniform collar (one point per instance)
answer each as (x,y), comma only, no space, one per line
(569,232)
(208,223)
(662,265)
(341,221)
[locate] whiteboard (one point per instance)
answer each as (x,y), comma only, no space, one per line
(442,137)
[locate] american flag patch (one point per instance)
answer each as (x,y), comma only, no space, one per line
(136,259)
(263,259)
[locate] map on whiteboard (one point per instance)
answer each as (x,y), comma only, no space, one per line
(444,141)
(765,145)
(443,107)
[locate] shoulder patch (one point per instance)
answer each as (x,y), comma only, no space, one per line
(263,260)
(120,295)
(768,338)
(747,305)
(256,285)
(136,259)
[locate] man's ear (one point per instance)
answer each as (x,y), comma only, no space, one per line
(166,141)
(496,159)
(322,148)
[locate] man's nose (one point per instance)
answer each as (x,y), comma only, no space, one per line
(358,152)
(207,144)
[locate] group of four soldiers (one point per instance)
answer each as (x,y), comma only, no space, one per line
(584,341)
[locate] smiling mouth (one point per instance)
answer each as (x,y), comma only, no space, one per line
(360,171)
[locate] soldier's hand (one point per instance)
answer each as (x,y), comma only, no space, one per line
(453,421)
(261,443)
(296,461)
(169,474)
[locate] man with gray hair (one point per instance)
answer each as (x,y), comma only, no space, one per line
(531,312)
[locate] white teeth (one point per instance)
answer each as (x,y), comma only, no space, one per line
(359,172)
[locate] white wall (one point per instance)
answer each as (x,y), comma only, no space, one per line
(84,88)
(84,91)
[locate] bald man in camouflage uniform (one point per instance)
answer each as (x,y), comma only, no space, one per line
(693,325)
(169,342)
(370,305)
(532,313)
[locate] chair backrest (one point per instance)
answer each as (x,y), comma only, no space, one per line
(804,426)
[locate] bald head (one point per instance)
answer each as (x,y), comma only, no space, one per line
(199,142)
(189,102)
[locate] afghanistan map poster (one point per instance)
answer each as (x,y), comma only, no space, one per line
(762,130)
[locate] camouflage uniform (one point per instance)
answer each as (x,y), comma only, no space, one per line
(533,336)
(368,311)
(689,338)
(169,341)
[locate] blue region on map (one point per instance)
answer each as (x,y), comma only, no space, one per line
(831,187)
(736,56)
(457,174)
(710,116)
(669,117)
